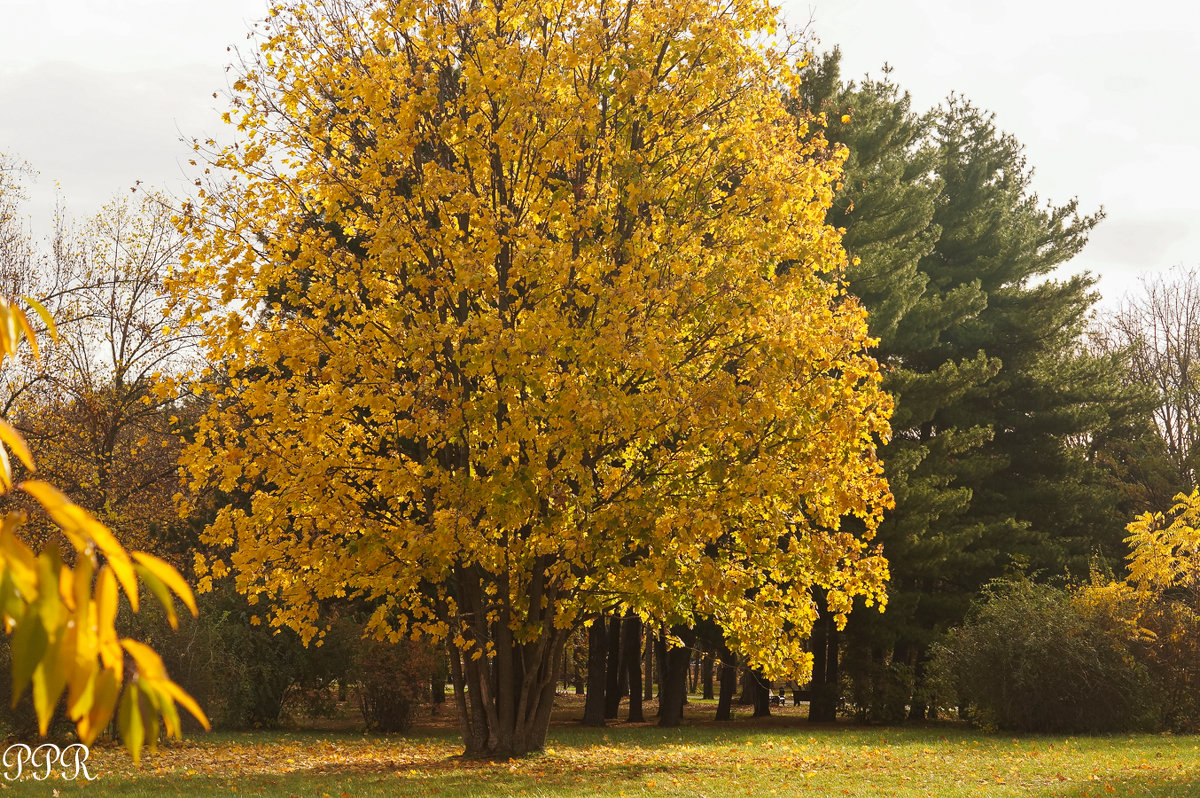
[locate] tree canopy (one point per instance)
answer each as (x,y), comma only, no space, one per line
(527,311)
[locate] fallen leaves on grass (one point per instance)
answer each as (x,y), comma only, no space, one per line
(698,762)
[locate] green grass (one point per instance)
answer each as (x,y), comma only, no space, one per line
(782,756)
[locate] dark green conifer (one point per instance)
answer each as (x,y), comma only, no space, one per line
(1003,417)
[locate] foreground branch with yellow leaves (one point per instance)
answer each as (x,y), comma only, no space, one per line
(61,616)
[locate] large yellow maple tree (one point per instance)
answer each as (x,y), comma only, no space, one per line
(525,310)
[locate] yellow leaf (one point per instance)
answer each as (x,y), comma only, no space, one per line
(106,684)
(9,337)
(14,441)
(47,319)
(48,684)
(80,526)
(28,642)
(187,702)
(150,665)
(129,722)
(19,560)
(6,482)
(160,592)
(23,324)
(169,576)
(106,614)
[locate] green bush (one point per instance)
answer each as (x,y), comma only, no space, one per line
(246,675)
(1032,658)
(878,692)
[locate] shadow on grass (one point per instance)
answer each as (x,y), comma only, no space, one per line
(1183,786)
(742,730)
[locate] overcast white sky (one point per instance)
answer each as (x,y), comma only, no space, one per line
(96,93)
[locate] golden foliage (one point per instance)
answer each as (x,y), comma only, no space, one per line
(1166,548)
(527,312)
(61,617)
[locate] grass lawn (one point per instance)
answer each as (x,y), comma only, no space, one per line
(782,755)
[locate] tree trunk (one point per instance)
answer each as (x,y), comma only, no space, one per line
(917,708)
(660,664)
(728,682)
(612,681)
(504,702)
(762,694)
(438,689)
(824,691)
(576,671)
(746,697)
(593,707)
(706,673)
(674,688)
(648,667)
(631,650)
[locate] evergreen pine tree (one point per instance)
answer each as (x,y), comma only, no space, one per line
(1004,421)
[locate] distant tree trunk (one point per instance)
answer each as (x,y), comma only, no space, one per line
(823,699)
(577,677)
(706,673)
(648,666)
(746,697)
(593,707)
(917,708)
(631,650)
(660,664)
(761,688)
(612,681)
(820,647)
(674,689)
(623,669)
(728,682)
(437,687)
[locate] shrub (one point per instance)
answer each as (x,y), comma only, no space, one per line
(393,679)
(1172,654)
(1036,658)
(244,674)
(877,691)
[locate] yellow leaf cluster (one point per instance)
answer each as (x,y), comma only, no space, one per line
(1165,548)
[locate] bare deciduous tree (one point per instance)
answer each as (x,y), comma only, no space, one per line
(1160,326)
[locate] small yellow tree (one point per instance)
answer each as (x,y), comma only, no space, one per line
(61,615)
(1164,576)
(1165,549)
(528,310)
